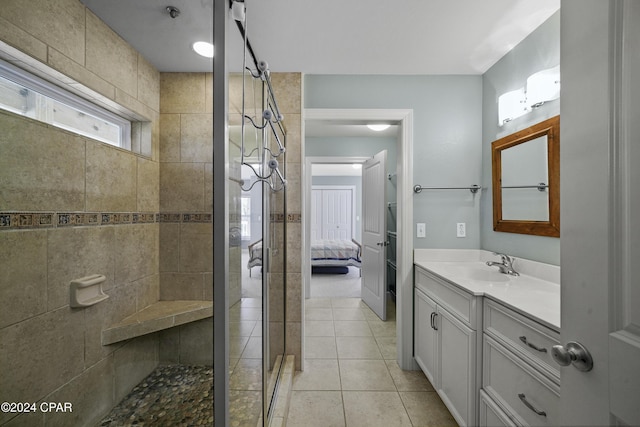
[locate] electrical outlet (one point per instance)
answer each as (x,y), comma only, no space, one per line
(421,230)
(461,229)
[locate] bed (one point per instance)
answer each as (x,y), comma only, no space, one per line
(327,256)
(335,256)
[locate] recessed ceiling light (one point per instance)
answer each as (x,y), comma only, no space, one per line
(357,165)
(203,48)
(378,127)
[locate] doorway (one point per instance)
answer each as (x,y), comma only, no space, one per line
(403,169)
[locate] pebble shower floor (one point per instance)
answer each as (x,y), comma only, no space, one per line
(171,396)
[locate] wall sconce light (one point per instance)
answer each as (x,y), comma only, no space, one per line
(543,86)
(512,105)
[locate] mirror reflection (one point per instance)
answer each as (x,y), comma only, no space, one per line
(524,168)
(526,180)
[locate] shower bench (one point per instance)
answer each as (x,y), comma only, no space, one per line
(156,317)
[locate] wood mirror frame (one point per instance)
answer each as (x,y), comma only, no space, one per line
(551,228)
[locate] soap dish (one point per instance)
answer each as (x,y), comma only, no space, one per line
(87,291)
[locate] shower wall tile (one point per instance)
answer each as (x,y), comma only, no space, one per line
(294,342)
(170,137)
(136,253)
(148,185)
(276,297)
(182,187)
(110,175)
(148,84)
(23,270)
(169,346)
(208,187)
(61,23)
(288,89)
(182,93)
(133,362)
(294,187)
(148,291)
(181,286)
(196,343)
(79,73)
(16,36)
(208,91)
(169,247)
(294,296)
(235,94)
(120,304)
(91,394)
(108,55)
(77,252)
(293,124)
(208,286)
(40,355)
(39,167)
(196,138)
(196,247)
(294,247)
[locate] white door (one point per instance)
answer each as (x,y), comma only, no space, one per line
(600,202)
(337,214)
(374,234)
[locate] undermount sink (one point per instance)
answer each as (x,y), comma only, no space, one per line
(480,274)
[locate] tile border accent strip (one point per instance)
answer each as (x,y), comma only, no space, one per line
(45,220)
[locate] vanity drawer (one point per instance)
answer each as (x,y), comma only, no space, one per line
(458,302)
(491,415)
(523,335)
(528,396)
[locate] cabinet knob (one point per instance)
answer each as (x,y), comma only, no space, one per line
(573,353)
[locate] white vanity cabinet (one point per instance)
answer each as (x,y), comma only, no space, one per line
(519,379)
(446,343)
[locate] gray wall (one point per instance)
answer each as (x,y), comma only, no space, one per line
(540,50)
(447,141)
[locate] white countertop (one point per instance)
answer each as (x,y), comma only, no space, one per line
(534,293)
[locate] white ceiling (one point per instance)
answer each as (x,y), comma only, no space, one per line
(335,37)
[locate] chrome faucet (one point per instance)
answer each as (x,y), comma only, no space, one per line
(506,266)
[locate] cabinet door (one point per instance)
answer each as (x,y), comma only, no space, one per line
(457,367)
(425,337)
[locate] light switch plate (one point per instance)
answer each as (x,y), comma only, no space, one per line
(421,230)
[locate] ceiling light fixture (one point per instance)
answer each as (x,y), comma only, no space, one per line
(378,127)
(204,49)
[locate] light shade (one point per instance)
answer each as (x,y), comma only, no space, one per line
(511,105)
(204,49)
(543,86)
(378,127)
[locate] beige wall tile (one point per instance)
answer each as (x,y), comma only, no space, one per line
(40,167)
(196,247)
(73,253)
(294,297)
(181,286)
(148,84)
(293,125)
(170,138)
(23,271)
(276,297)
(182,93)
(20,39)
(147,290)
(182,187)
(294,247)
(294,188)
(196,138)
(61,23)
(90,393)
(208,187)
(235,94)
(109,56)
(111,174)
(208,101)
(148,183)
(208,286)
(169,247)
(294,342)
(196,343)
(37,356)
(288,89)
(169,346)
(79,73)
(133,362)
(120,304)
(136,252)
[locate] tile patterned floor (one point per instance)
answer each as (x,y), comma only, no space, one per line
(351,377)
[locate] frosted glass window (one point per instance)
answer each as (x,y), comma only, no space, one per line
(27,95)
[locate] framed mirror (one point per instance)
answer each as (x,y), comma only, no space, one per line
(526,180)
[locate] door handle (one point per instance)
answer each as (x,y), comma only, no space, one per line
(573,353)
(434,315)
